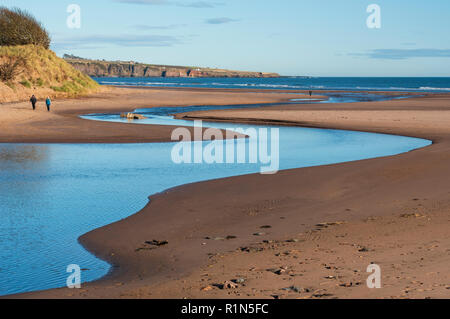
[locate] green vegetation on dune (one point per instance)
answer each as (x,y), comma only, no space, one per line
(41,68)
(27,66)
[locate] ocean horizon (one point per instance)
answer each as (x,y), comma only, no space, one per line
(391,84)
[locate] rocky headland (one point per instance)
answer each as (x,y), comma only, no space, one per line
(101,68)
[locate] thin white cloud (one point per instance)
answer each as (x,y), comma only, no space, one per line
(402,54)
(144,27)
(220,20)
(193,4)
(126,40)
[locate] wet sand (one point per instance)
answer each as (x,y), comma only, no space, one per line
(20,124)
(327,223)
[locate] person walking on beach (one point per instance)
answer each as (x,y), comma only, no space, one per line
(33,101)
(310,93)
(48,102)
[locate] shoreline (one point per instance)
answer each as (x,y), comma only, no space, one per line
(98,240)
(261,121)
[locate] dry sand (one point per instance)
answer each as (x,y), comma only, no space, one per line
(393,211)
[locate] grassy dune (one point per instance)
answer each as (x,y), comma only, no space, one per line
(42,74)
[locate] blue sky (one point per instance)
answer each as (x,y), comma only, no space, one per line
(291,37)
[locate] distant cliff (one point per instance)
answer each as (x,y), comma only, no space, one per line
(97,68)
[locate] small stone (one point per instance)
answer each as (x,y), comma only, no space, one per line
(157,242)
(266,227)
(296,289)
(132,116)
(229,285)
(259,234)
(279,271)
(326,224)
(416,215)
(239,280)
(320,294)
(250,249)
(208,288)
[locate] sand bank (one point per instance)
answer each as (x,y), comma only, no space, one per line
(393,211)
(20,124)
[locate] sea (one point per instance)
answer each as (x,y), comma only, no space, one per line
(406,84)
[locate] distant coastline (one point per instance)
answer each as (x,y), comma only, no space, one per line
(101,68)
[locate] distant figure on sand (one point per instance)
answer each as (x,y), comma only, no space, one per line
(48,102)
(33,101)
(310,93)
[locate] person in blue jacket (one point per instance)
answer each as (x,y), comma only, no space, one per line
(48,102)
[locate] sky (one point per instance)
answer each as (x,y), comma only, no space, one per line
(291,37)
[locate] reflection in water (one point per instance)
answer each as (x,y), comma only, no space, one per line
(23,153)
(20,160)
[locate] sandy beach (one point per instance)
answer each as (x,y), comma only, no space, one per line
(301,233)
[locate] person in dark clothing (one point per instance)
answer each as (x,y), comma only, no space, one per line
(33,101)
(48,102)
(310,93)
